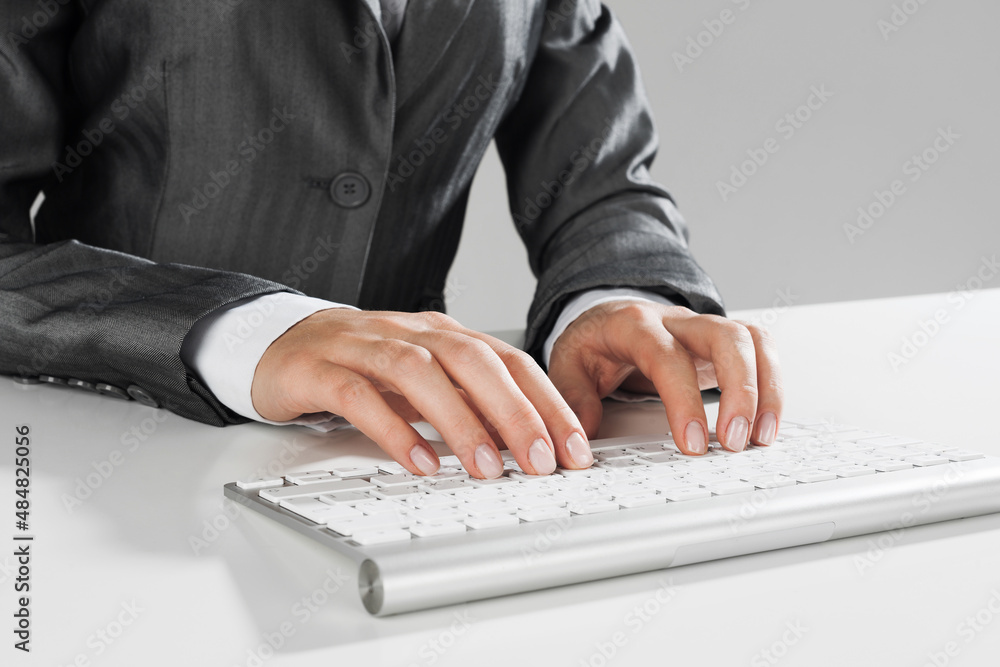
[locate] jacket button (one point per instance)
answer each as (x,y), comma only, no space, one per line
(111,390)
(80,384)
(350,190)
(142,396)
(51,379)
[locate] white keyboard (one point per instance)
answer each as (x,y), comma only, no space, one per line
(384,503)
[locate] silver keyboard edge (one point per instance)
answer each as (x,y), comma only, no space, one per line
(430,572)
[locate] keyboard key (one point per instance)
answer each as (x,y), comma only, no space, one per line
(665,483)
(613,454)
(396,492)
(924,460)
(431,500)
(583,494)
(813,475)
(392,468)
(933,448)
(651,448)
(335,512)
(592,506)
(627,488)
(292,476)
(379,507)
(477,494)
(315,480)
(891,466)
(437,514)
(345,498)
(487,483)
(864,458)
(350,472)
(852,471)
(433,529)
(528,479)
(721,477)
(488,508)
(447,473)
(825,429)
(962,455)
(682,493)
(444,486)
(381,536)
(277,494)
(771,481)
(255,483)
(726,488)
(310,508)
(402,479)
(660,458)
(641,500)
(578,474)
(484,521)
(543,514)
(889,441)
(512,466)
(618,464)
(537,501)
(350,526)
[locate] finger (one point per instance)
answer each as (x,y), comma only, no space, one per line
(346,393)
(475,367)
(491,429)
(413,371)
(580,391)
(770,385)
(565,428)
(652,349)
(730,347)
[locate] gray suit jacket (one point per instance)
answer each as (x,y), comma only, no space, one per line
(195,153)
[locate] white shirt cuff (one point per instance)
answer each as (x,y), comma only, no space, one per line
(224,348)
(584,301)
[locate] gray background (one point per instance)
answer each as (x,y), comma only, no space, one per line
(784,229)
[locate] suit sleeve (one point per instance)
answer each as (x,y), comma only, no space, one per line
(577,147)
(69,310)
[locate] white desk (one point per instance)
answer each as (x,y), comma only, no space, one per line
(130,540)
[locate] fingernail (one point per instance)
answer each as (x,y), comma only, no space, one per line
(579,451)
(541,457)
(488,461)
(694,434)
(768,428)
(425,462)
(736,434)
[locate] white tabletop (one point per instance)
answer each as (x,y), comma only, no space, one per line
(136,574)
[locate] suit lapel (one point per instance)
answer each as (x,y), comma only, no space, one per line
(428,31)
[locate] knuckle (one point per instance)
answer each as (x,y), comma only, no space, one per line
(633,310)
(775,388)
(737,331)
(749,391)
(513,357)
(408,360)
(759,332)
(468,350)
(435,320)
(352,393)
(522,413)
(667,350)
